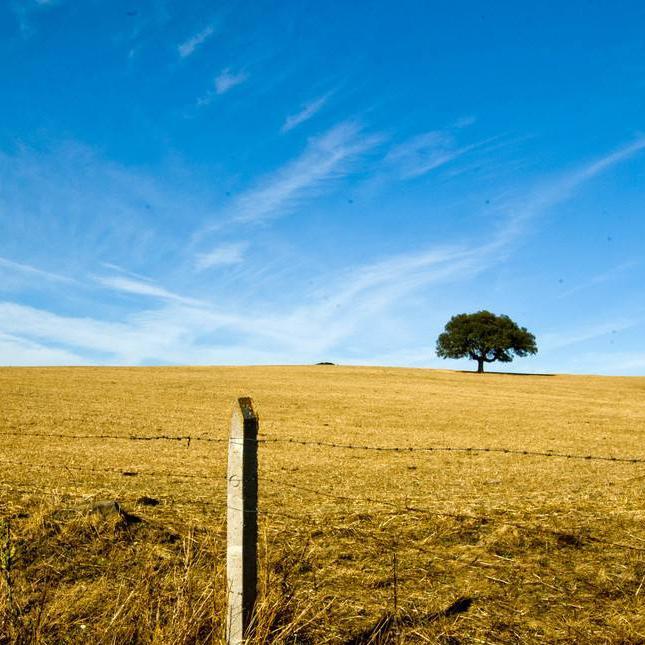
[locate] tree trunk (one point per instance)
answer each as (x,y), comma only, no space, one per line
(480,366)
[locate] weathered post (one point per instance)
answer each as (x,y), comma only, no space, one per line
(242,522)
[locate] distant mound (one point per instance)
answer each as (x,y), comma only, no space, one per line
(325,363)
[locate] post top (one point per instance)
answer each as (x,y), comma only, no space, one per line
(246,407)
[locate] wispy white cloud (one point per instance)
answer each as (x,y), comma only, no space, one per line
(226,80)
(120,269)
(595,168)
(224,254)
(183,330)
(377,287)
(169,334)
(407,271)
(354,304)
(188,47)
(137,287)
(94,210)
(425,152)
(327,158)
(29,270)
(550,341)
(21,352)
(361,297)
(348,313)
(519,211)
(563,187)
(601,278)
(115,339)
(307,112)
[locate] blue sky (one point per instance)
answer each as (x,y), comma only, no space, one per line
(260,182)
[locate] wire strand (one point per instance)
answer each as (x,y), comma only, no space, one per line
(329,444)
(507,451)
(117,471)
(430,512)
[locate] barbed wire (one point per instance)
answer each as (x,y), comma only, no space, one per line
(123,437)
(467,449)
(187,438)
(407,508)
(220,506)
(397,507)
(117,471)
(337,445)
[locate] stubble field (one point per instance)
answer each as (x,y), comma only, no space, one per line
(357,545)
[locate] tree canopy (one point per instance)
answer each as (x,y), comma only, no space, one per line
(484,337)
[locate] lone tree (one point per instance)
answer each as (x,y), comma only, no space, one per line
(484,337)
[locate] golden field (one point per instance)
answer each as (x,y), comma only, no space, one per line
(490,547)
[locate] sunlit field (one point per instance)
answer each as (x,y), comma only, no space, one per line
(356,545)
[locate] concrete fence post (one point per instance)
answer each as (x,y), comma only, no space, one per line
(242,522)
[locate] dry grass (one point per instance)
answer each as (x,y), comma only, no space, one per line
(510,555)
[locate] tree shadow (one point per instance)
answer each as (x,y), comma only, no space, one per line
(504,373)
